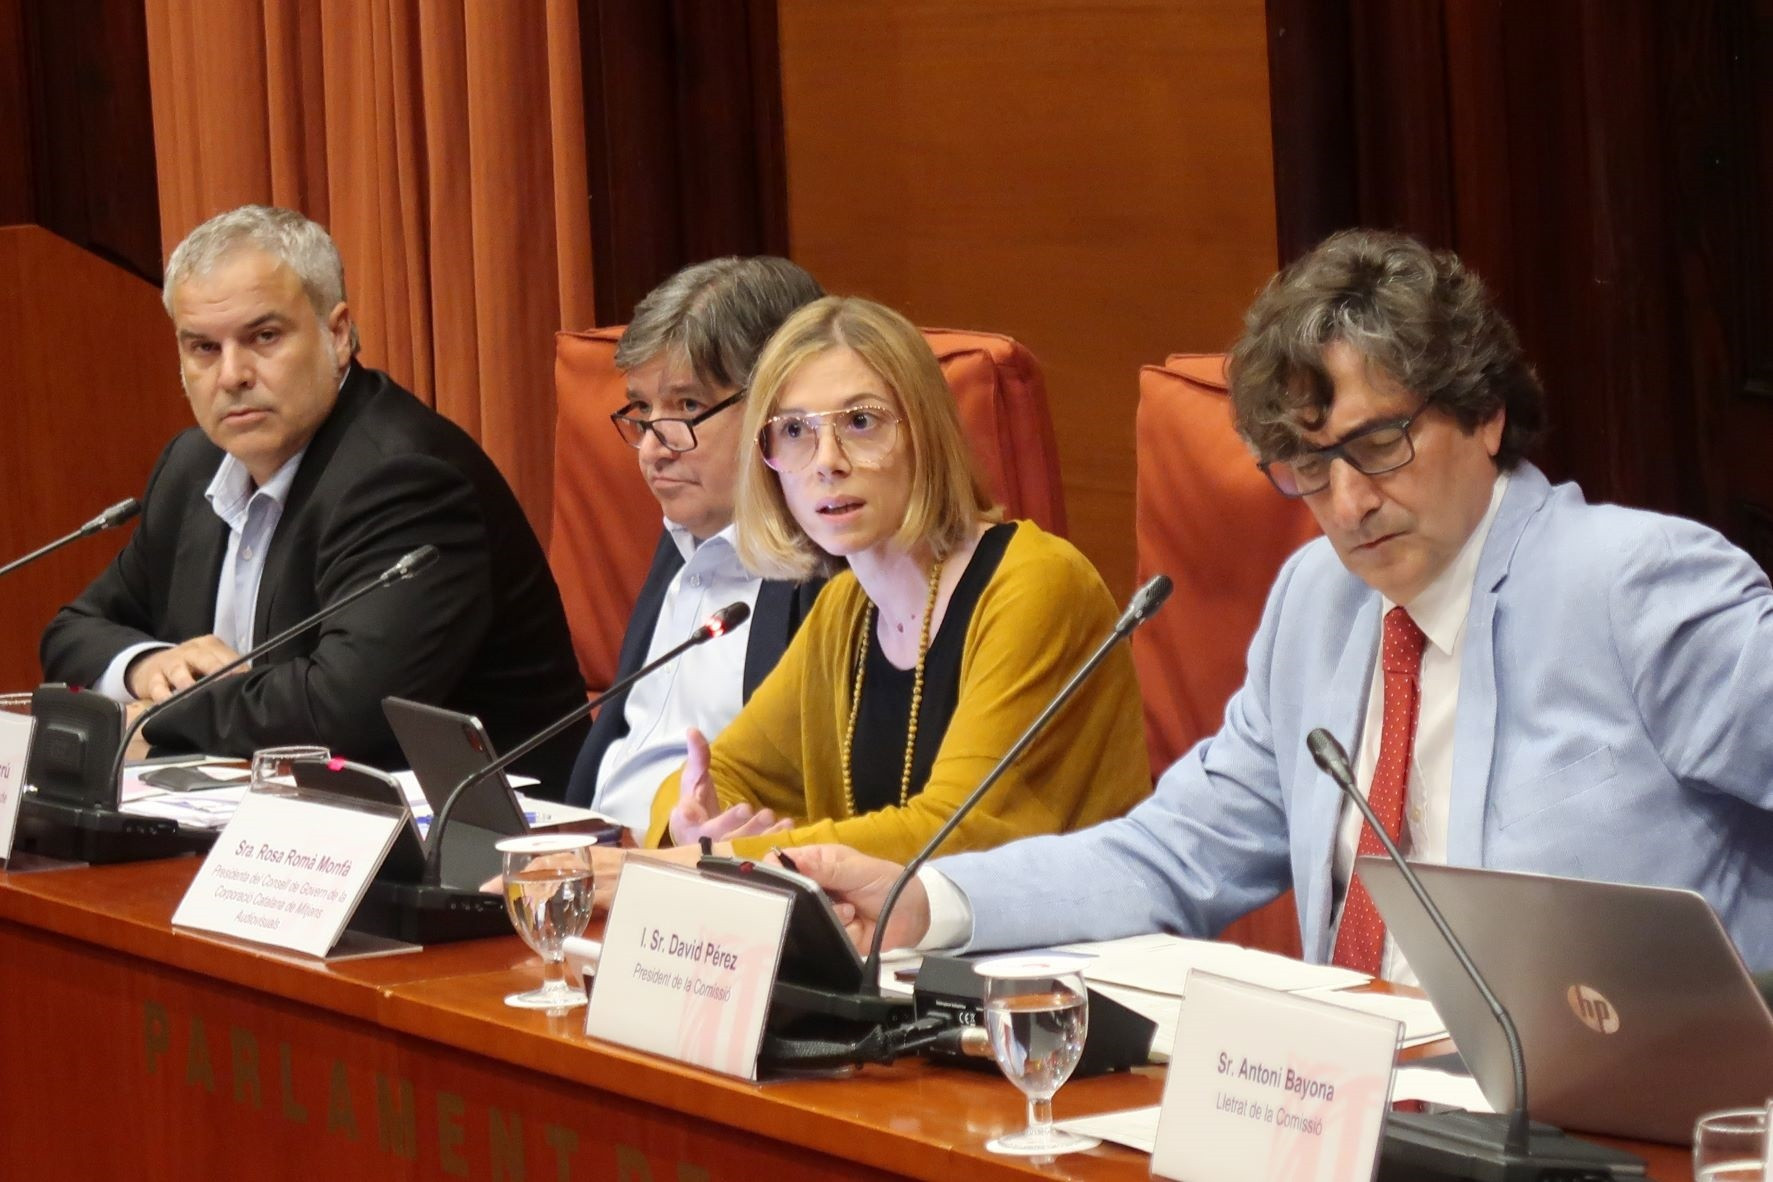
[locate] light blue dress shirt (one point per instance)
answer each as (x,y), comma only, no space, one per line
(251,515)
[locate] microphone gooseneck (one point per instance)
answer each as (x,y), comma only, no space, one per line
(1332,758)
(409,565)
(116,515)
(718,624)
(1145,602)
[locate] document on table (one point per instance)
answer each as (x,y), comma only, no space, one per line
(1161,963)
(213,808)
(1147,974)
(1421,1022)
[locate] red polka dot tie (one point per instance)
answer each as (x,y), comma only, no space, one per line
(1360,942)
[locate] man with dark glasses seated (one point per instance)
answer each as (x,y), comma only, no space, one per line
(687,356)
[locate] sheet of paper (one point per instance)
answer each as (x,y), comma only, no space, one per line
(894,963)
(1421,1022)
(1160,964)
(212,808)
(1438,1087)
(1136,1128)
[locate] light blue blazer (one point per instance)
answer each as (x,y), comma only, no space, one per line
(1615,721)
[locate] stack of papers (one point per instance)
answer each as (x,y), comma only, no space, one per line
(1147,974)
(213,808)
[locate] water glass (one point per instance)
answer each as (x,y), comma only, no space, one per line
(1730,1146)
(1037,1014)
(271,770)
(548,891)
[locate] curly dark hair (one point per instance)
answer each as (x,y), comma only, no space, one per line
(1419,315)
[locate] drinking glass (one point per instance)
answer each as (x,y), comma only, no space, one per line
(1730,1146)
(271,766)
(548,893)
(1037,1014)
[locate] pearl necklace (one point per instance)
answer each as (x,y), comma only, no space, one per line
(923,652)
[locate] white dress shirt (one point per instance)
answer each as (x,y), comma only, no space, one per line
(703,688)
(251,515)
(1440,611)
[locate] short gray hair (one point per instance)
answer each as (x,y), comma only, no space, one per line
(716,316)
(298,243)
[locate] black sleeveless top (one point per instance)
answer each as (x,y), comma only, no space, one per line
(877,758)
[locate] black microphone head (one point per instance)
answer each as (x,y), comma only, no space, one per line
(1330,755)
(122,511)
(1150,597)
(116,515)
(725,620)
(411,564)
(1145,602)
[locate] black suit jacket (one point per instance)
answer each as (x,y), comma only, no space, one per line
(480,631)
(780,609)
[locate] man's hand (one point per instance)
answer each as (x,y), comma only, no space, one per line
(697,814)
(858,885)
(157,675)
(138,746)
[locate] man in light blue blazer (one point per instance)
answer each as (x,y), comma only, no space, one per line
(1593,685)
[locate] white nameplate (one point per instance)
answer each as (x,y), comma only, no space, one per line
(687,967)
(1265,1086)
(15,744)
(288,871)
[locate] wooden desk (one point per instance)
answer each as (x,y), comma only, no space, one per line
(134,1050)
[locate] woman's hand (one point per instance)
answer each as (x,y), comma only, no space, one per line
(698,813)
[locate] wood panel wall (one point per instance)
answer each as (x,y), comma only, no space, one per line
(92,396)
(1093,179)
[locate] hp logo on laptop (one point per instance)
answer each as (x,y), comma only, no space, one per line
(1592,1009)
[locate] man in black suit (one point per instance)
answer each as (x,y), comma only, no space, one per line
(306,476)
(687,355)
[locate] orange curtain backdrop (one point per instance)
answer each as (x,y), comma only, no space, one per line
(442,142)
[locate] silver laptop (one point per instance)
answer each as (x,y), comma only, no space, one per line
(1634,1010)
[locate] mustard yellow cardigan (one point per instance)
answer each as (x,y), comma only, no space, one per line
(1043,611)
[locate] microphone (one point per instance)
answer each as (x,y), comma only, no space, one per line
(1445,1145)
(116,515)
(409,565)
(1145,602)
(718,624)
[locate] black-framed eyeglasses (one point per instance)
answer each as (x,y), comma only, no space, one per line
(1373,451)
(678,435)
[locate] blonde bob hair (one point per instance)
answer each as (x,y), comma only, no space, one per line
(948,497)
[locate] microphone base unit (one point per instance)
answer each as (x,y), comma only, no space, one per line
(416,914)
(1119,1038)
(101,836)
(1473,1147)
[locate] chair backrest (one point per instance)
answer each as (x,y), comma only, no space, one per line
(606,521)
(1206,516)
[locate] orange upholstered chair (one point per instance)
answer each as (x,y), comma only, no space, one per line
(1208,518)
(606,522)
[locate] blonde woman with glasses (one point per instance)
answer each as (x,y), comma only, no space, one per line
(943,632)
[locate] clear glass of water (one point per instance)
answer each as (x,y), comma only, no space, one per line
(548,893)
(271,770)
(1730,1146)
(1037,1014)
